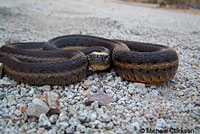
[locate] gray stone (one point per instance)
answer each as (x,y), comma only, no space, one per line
(73,122)
(130,90)
(63,116)
(31,92)
(32,125)
(81,128)
(53,118)
(52,131)
(70,130)
(12,102)
(119,131)
(101,98)
(4,83)
(33,131)
(18,113)
(83,116)
(142,91)
(37,107)
(153,86)
(44,121)
(53,102)
(42,130)
(87,84)
(121,101)
(62,124)
(2,95)
(90,131)
(45,88)
(160,124)
(133,127)
(93,116)
(104,117)
(180,93)
(98,124)
(109,126)
(139,85)
(95,105)
(70,95)
(94,88)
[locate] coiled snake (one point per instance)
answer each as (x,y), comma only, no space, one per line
(46,63)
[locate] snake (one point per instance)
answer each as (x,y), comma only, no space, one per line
(59,62)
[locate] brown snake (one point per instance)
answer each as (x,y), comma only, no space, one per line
(51,65)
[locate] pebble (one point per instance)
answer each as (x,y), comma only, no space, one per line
(109,126)
(130,90)
(104,117)
(93,116)
(73,122)
(2,95)
(4,83)
(101,98)
(70,95)
(53,118)
(52,100)
(18,113)
(45,88)
(62,124)
(31,92)
(160,124)
(37,107)
(35,131)
(180,93)
(63,116)
(41,130)
(83,116)
(81,128)
(11,102)
(70,130)
(33,124)
(119,131)
(139,85)
(141,91)
(133,127)
(153,87)
(93,89)
(87,84)
(44,121)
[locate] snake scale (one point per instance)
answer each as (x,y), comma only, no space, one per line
(46,63)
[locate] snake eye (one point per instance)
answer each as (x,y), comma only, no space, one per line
(105,57)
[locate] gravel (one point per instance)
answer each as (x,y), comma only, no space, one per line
(136,106)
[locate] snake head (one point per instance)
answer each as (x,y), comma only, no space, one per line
(99,61)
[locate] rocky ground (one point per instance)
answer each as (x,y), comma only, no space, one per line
(126,107)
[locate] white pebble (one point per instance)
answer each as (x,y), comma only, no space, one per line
(133,127)
(44,121)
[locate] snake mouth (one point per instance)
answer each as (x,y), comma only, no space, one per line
(99,67)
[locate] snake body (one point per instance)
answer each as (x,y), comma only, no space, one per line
(46,63)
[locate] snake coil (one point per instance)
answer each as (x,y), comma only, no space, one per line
(45,63)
